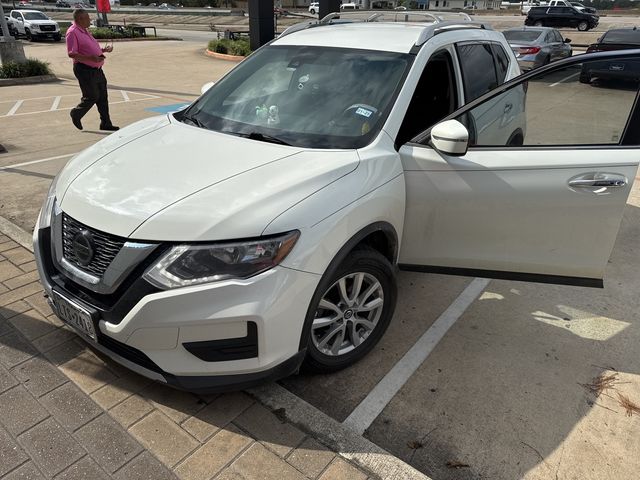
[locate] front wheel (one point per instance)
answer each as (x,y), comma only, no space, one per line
(350,311)
(583,26)
(538,23)
(27,33)
(312,11)
(585,78)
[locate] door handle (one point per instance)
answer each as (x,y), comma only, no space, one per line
(598,182)
(508,107)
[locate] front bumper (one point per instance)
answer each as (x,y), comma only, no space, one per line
(207,338)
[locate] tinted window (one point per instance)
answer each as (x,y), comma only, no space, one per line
(549,38)
(502,62)
(522,35)
(557,36)
(478,72)
(622,36)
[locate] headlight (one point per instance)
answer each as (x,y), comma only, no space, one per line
(35,27)
(44,219)
(188,265)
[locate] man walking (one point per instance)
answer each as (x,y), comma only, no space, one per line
(88,59)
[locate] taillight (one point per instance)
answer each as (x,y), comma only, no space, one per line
(528,50)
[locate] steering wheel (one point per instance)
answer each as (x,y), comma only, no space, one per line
(356,119)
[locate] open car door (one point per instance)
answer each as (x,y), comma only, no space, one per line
(528,182)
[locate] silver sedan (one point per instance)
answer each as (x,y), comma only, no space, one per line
(537,46)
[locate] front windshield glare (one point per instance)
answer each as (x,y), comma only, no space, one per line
(35,16)
(311,97)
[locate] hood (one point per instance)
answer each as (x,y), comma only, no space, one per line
(41,22)
(167,181)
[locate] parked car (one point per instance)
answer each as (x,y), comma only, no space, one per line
(34,24)
(561,17)
(537,46)
(63,4)
(314,8)
(276,207)
(166,6)
(615,39)
(349,6)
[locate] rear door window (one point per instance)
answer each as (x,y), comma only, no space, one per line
(502,62)
(478,70)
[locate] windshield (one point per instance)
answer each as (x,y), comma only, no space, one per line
(522,36)
(35,16)
(314,97)
(622,36)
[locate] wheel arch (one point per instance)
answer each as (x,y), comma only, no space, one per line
(380,236)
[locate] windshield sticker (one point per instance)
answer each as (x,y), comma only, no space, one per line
(364,112)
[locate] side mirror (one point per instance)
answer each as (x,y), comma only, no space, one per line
(450,137)
(567,40)
(206,87)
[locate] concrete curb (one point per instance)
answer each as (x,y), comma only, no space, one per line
(334,435)
(139,39)
(224,56)
(8,82)
(15,233)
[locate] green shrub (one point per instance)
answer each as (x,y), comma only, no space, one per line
(30,68)
(102,33)
(231,47)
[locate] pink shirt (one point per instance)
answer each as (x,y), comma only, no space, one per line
(79,40)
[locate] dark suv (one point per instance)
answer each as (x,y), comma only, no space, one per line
(561,17)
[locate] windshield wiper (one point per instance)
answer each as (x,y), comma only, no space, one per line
(193,120)
(266,138)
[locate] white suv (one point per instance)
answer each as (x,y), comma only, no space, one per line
(260,228)
(314,8)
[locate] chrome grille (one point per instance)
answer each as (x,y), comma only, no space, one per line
(106,246)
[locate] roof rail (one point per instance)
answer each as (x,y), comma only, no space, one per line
(438,28)
(437,22)
(404,16)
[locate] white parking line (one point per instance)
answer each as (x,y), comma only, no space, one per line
(56,103)
(374,403)
(564,79)
(16,165)
(15,108)
(125,95)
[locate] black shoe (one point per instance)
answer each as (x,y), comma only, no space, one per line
(76,121)
(109,128)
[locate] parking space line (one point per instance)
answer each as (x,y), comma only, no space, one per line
(32,162)
(125,95)
(56,103)
(564,79)
(15,108)
(380,396)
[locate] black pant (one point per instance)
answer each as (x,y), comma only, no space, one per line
(93,84)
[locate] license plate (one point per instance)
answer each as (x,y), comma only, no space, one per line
(73,314)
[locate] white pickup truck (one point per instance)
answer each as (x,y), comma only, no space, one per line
(34,24)
(526,6)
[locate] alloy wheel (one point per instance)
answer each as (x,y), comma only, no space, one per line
(347,314)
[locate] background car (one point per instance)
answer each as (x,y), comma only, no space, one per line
(62,4)
(314,8)
(537,46)
(34,24)
(582,8)
(615,39)
(561,17)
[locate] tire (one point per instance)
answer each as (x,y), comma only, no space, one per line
(27,33)
(538,23)
(583,26)
(349,331)
(585,78)
(312,11)
(57,38)
(516,139)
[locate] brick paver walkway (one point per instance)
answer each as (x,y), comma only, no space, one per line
(67,413)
